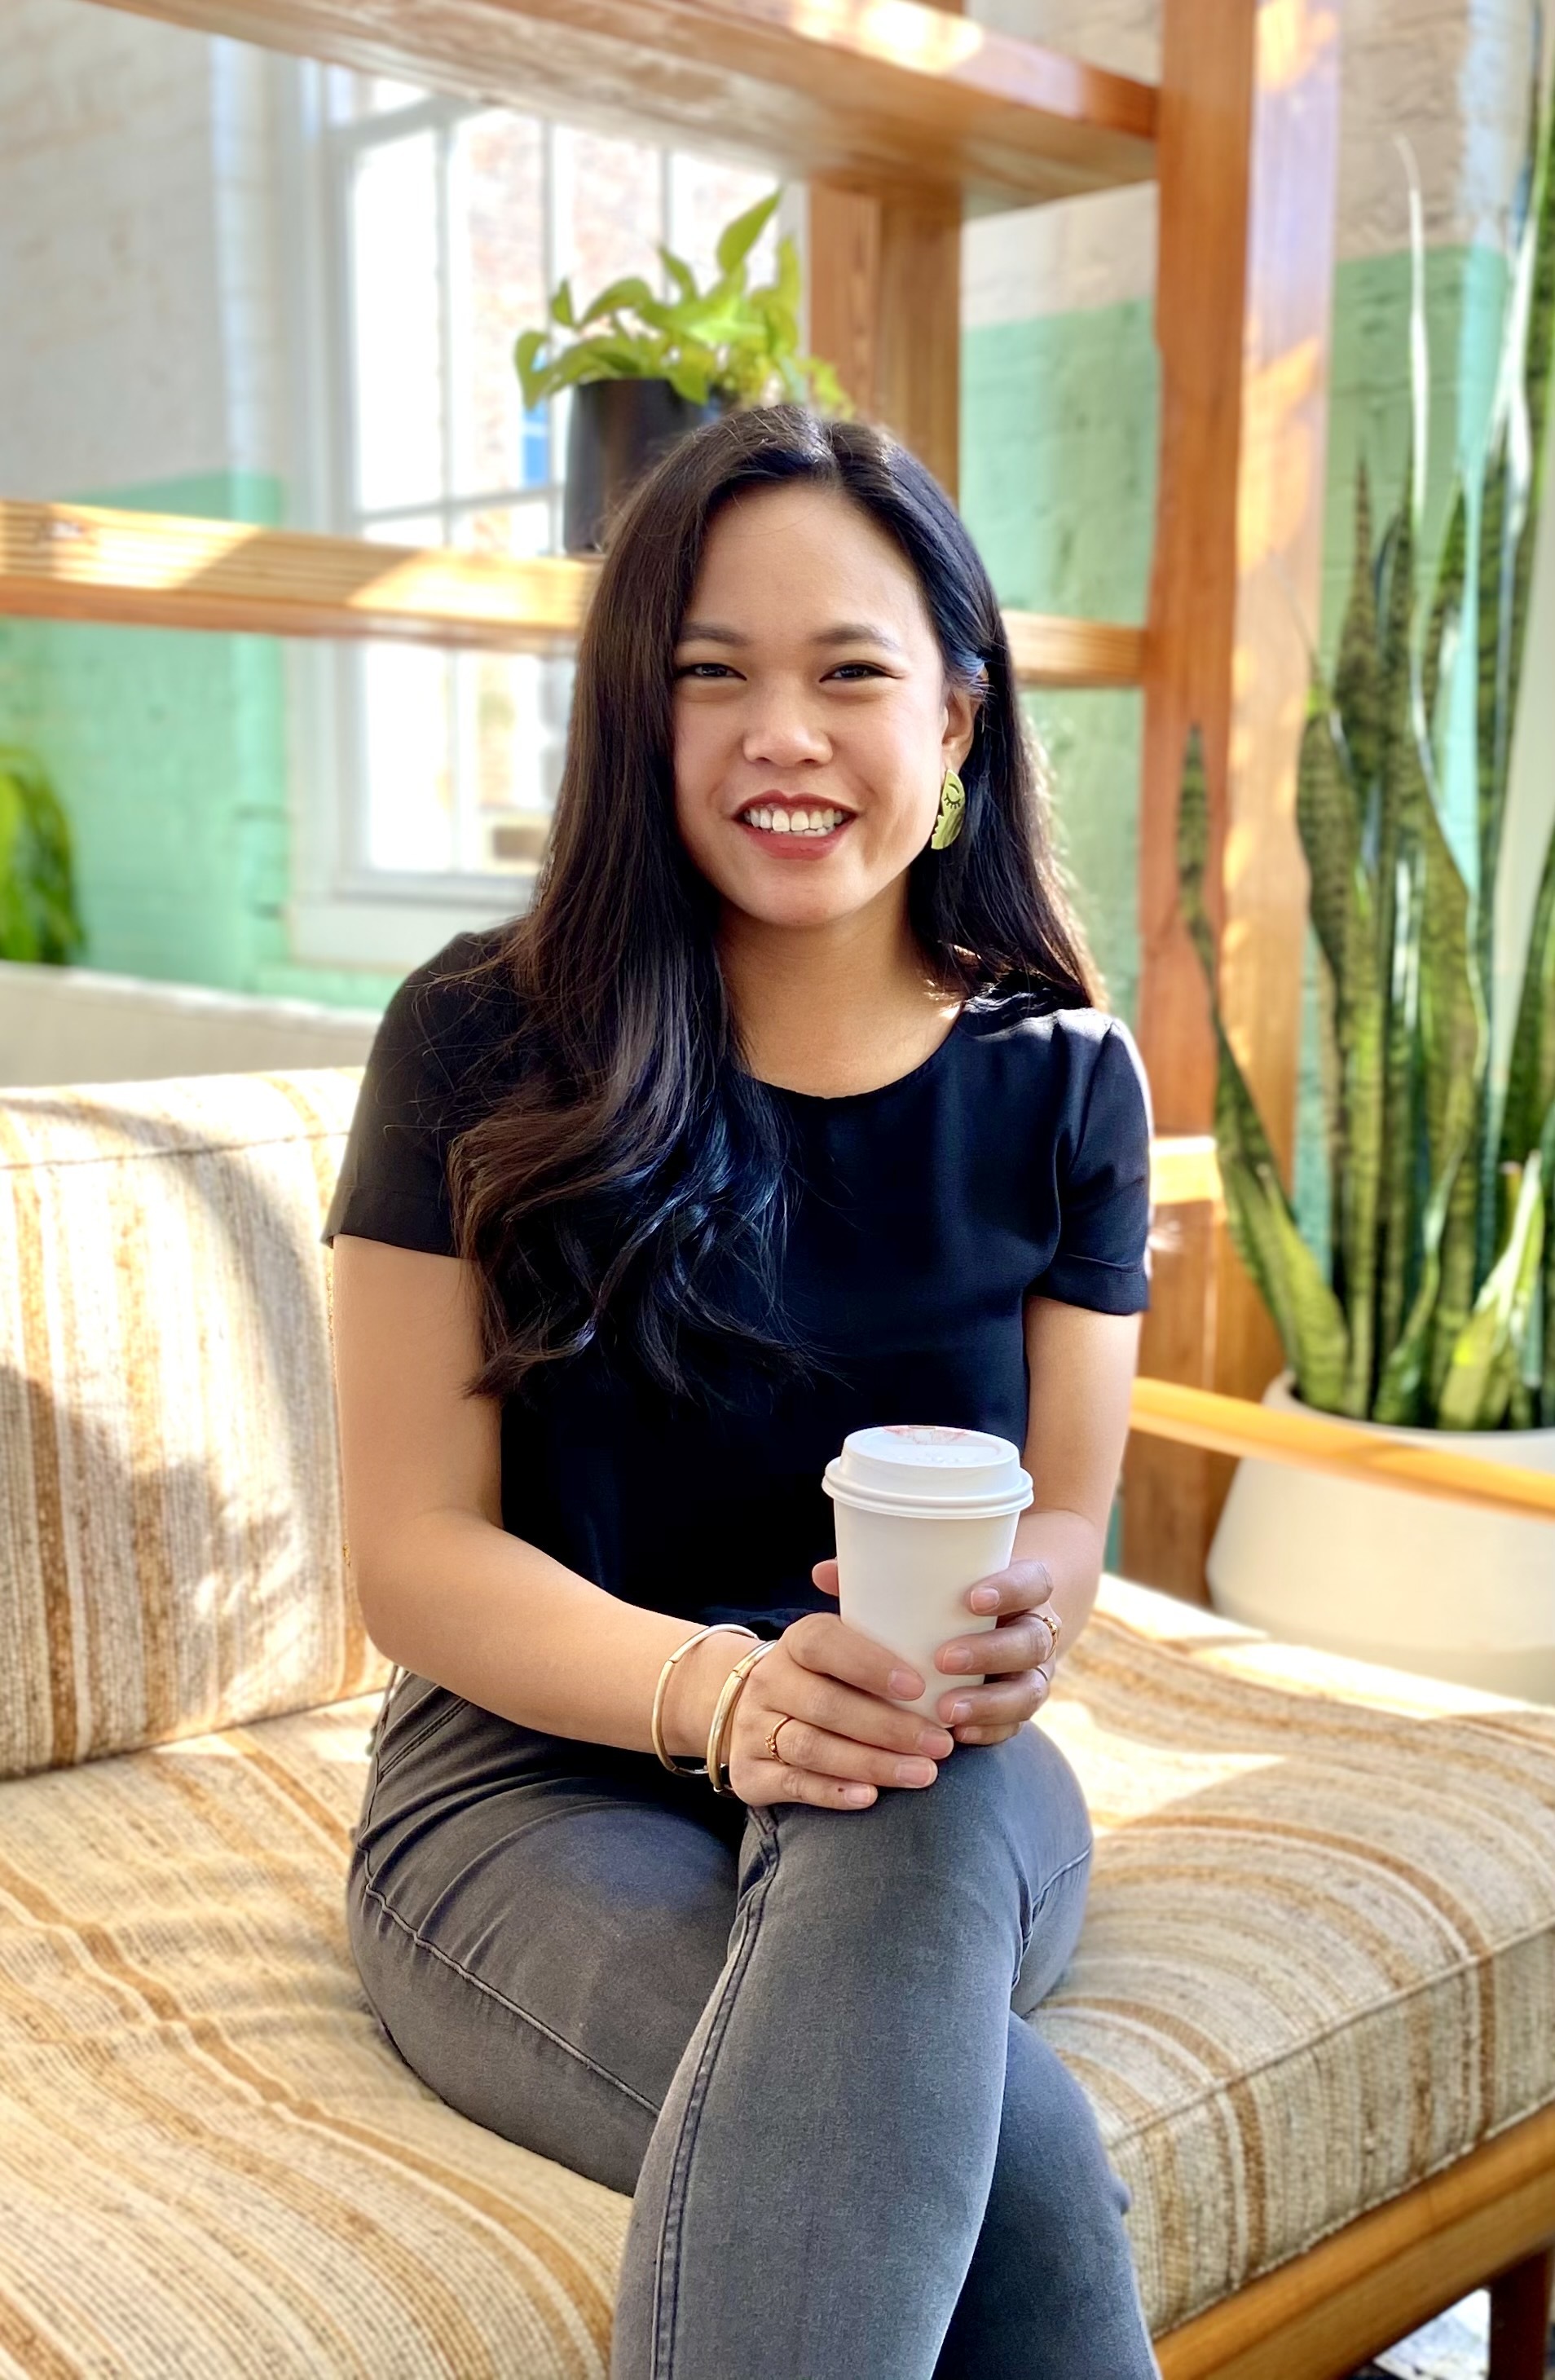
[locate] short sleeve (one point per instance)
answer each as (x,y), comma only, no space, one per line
(1102,1259)
(393,1182)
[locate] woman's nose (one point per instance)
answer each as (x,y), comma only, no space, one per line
(780,730)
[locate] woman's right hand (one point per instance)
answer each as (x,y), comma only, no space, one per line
(845,1736)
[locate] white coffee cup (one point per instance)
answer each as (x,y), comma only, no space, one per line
(923,1511)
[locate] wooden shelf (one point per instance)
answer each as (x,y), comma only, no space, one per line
(878,93)
(163,570)
(1321,1442)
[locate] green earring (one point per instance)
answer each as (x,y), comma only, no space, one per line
(952,811)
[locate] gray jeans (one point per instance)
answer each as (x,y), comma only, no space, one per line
(794,2035)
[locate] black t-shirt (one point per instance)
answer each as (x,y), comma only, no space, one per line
(1014,1158)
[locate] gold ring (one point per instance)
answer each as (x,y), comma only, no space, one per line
(772,1752)
(1052,1623)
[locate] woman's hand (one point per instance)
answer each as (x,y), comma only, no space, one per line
(844,1737)
(1016,1655)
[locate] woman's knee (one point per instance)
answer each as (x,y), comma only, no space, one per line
(1018,1802)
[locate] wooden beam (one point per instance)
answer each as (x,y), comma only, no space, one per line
(1048,651)
(873,91)
(78,561)
(1346,1449)
(884,282)
(1247,147)
(1382,2276)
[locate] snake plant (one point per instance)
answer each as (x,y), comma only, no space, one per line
(1437,1303)
(38,915)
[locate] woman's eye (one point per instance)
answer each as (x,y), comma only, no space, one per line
(852,671)
(704,670)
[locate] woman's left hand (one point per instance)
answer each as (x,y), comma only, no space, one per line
(1016,1656)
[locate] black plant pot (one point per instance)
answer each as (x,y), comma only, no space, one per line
(618,429)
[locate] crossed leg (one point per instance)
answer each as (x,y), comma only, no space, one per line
(786,2031)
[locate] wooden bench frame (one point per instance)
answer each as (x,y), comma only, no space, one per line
(1487,2219)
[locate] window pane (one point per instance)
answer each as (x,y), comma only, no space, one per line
(497,243)
(511,530)
(705,195)
(512,726)
(350,96)
(615,212)
(406,698)
(394,295)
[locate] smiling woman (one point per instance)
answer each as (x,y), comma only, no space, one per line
(778,1114)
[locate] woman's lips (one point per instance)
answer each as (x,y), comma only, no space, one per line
(800,846)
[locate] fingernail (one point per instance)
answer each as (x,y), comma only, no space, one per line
(903,1683)
(959,1659)
(983,1598)
(960,1711)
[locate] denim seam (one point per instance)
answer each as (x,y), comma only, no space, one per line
(399,1752)
(1041,1903)
(667,2263)
(480,1984)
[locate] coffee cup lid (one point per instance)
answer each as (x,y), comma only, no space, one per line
(928,1467)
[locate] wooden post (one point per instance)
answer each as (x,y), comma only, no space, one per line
(1247,154)
(885,307)
(1520,2318)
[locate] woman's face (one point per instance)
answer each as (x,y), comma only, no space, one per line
(813,724)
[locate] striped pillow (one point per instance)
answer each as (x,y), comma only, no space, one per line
(170,1521)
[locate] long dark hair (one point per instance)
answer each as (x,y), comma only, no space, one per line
(630,1186)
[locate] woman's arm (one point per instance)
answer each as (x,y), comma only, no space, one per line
(445,1590)
(1082,1365)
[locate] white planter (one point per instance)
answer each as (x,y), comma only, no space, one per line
(1455,1590)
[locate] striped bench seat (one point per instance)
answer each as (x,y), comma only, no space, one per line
(1317,1967)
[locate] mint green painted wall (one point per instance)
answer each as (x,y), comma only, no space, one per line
(169,751)
(1058,469)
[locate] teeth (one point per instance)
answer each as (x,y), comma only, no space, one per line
(773,821)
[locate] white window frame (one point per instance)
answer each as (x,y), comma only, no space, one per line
(342,912)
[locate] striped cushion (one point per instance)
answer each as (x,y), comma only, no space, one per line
(169,1498)
(1319,1962)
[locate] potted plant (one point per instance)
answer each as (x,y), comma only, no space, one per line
(1435,1316)
(647,368)
(39,922)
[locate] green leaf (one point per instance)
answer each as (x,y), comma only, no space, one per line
(1259,1213)
(1531,1073)
(1477,1389)
(532,382)
(1327,818)
(1357,677)
(631,291)
(1446,606)
(38,918)
(739,237)
(561,306)
(1547,1169)
(680,273)
(1193,856)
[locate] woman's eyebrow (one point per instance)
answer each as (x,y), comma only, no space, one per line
(845,632)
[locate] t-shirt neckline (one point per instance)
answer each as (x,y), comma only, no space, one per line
(876,1090)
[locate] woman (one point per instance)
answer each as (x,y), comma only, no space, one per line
(786,1109)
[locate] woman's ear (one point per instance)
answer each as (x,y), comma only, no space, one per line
(962,705)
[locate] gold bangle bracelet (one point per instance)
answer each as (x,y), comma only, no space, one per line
(655,1724)
(733,1685)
